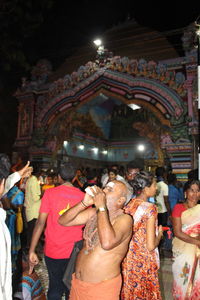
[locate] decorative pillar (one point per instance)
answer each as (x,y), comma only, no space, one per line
(193,131)
(198,83)
(188,86)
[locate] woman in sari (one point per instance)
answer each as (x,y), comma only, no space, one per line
(140,266)
(186,244)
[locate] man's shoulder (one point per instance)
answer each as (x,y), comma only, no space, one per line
(124,218)
(120,178)
(52,190)
(162,186)
(162,183)
(63,187)
(63,191)
(32,179)
(124,223)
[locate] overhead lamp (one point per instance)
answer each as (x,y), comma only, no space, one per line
(97,42)
(81,147)
(105,152)
(65,143)
(141,147)
(134,106)
(95,149)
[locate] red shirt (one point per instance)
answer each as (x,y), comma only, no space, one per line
(59,240)
(178,209)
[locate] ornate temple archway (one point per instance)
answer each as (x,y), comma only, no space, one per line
(154,87)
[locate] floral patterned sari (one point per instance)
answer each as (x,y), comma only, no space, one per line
(140,266)
(186,266)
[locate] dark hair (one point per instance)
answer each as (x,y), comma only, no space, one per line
(115,166)
(113,171)
(91,174)
(193,174)
(189,183)
(51,175)
(142,179)
(4,166)
(35,166)
(135,164)
(160,171)
(66,171)
(171,178)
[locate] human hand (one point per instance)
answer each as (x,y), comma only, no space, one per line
(88,199)
(25,171)
(78,174)
(99,197)
(160,230)
(2,183)
(74,179)
(33,261)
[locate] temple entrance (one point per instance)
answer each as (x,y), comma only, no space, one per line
(89,117)
(106,130)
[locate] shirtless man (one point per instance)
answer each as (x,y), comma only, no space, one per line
(106,237)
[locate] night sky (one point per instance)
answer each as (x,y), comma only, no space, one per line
(53,29)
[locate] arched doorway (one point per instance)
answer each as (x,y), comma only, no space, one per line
(149,85)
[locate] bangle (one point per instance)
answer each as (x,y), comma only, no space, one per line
(83,203)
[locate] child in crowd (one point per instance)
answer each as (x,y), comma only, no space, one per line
(31,287)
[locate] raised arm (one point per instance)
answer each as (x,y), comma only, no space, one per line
(78,214)
(78,181)
(110,235)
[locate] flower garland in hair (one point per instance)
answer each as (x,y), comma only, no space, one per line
(140,188)
(138,192)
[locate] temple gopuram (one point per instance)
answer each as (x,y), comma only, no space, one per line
(100,105)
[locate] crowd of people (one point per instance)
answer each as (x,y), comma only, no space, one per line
(120,215)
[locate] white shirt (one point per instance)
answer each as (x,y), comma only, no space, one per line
(105,178)
(5,259)
(162,190)
(10,181)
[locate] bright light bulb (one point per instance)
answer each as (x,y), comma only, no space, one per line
(134,106)
(97,42)
(104,151)
(95,149)
(81,147)
(141,148)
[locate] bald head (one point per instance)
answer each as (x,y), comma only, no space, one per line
(116,194)
(122,188)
